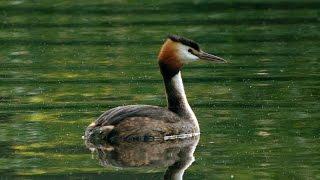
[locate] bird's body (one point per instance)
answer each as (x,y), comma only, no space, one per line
(145,122)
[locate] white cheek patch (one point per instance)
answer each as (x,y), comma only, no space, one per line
(184,55)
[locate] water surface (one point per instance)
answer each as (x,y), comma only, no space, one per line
(63,63)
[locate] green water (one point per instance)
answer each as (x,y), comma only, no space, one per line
(63,63)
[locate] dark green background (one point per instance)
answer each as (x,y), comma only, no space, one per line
(62,63)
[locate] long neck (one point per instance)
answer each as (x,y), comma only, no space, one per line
(176,97)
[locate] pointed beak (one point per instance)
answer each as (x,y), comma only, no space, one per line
(209,57)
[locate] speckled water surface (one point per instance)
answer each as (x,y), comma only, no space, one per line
(63,63)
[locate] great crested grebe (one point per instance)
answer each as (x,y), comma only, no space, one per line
(146,122)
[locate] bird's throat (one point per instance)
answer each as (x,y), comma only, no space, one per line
(176,97)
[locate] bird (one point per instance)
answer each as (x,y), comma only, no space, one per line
(148,122)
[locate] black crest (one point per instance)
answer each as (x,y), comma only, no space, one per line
(185,41)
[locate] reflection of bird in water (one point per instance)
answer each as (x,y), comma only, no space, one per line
(175,155)
(145,122)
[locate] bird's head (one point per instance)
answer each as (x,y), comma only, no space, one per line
(177,51)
